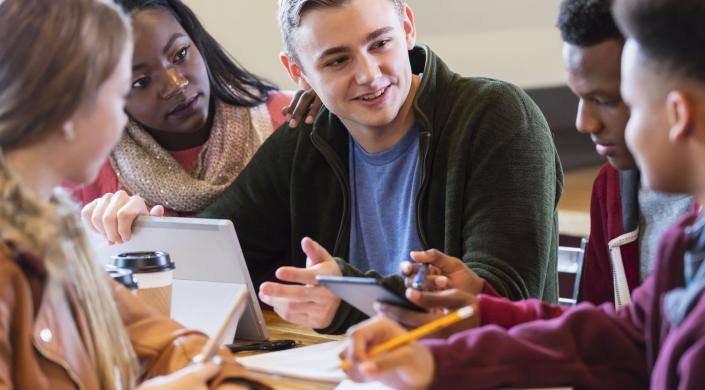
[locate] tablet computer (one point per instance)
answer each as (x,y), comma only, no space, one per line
(362,293)
(210,270)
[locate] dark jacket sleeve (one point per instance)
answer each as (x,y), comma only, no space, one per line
(257,203)
(509,226)
(586,347)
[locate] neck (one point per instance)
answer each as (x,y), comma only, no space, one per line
(375,139)
(34,172)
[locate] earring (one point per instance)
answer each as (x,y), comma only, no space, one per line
(69,133)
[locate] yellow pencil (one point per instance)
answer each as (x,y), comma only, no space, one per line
(421,331)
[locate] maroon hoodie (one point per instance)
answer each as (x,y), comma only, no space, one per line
(588,347)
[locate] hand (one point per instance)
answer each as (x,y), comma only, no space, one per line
(410,366)
(112,215)
(444,272)
(304,103)
(191,377)
(438,304)
(306,303)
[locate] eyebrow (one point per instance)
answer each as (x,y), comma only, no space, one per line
(165,50)
(342,49)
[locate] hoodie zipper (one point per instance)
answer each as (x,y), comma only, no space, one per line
(334,162)
(425,146)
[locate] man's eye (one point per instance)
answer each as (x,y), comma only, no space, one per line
(181,54)
(140,82)
(381,43)
(336,62)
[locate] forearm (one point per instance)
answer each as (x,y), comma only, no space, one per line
(558,352)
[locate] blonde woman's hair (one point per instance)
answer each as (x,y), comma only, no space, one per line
(54,56)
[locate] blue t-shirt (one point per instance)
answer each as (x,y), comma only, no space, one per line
(384,186)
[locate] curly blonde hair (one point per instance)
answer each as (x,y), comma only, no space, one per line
(54,56)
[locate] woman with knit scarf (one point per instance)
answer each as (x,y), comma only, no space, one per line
(196,117)
(64,75)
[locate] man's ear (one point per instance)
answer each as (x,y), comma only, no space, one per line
(294,70)
(409,27)
(680,115)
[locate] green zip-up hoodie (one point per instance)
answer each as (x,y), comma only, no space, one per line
(490,185)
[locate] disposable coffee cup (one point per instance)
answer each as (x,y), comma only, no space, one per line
(154,272)
(122,276)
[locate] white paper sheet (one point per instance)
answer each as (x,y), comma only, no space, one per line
(318,362)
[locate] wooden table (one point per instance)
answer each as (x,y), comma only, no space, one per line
(282,330)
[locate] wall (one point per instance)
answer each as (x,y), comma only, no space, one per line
(513,40)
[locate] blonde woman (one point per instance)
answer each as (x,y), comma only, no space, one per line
(64,75)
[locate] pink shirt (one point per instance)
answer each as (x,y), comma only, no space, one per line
(107,180)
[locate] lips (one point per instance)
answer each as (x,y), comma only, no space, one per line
(184,108)
(604,149)
(373,98)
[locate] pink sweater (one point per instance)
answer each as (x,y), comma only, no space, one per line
(107,180)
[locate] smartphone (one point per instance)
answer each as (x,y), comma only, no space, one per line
(362,293)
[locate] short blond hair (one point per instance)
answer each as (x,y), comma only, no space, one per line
(291,12)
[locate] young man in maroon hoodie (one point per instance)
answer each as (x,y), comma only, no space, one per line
(658,340)
(626,219)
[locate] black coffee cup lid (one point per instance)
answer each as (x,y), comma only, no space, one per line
(122,276)
(144,262)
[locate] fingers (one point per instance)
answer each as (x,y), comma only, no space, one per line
(445,263)
(432,282)
(302,108)
(446,299)
(313,110)
(157,211)
(381,364)
(270,290)
(297,275)
(288,110)
(203,372)
(366,335)
(111,225)
(127,214)
(408,318)
(315,253)
(96,217)
(87,214)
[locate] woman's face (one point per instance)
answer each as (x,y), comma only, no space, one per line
(170,87)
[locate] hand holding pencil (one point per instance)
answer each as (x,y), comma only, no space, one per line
(381,350)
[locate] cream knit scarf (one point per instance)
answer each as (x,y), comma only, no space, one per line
(146,169)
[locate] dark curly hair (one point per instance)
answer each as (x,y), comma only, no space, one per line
(670,33)
(230,82)
(587,22)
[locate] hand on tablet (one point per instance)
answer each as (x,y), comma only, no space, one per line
(304,303)
(112,215)
(410,366)
(438,304)
(444,272)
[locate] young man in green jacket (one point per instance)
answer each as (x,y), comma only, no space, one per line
(407,156)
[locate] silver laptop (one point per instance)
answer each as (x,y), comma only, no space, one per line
(210,269)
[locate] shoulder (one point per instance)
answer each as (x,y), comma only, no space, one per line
(493,94)
(607,180)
